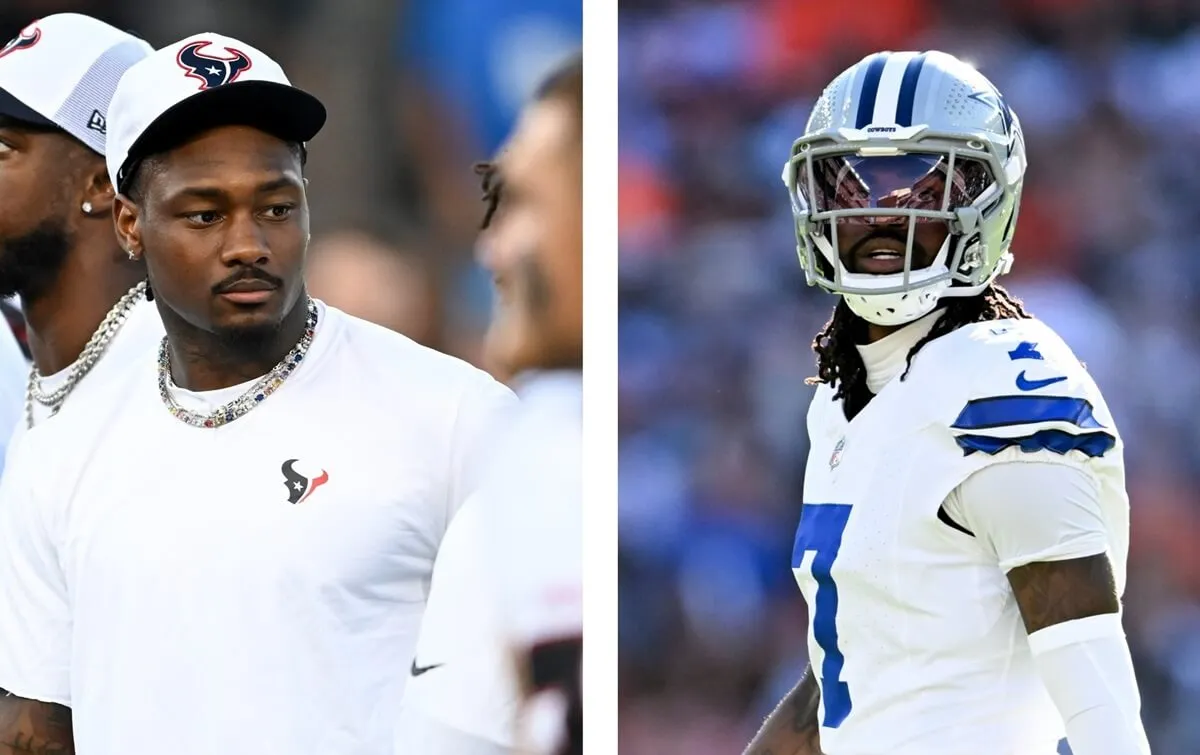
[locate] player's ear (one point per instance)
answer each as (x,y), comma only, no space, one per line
(126,216)
(98,192)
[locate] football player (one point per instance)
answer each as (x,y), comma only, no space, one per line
(498,663)
(964,529)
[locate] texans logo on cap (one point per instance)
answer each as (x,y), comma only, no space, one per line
(28,37)
(212,72)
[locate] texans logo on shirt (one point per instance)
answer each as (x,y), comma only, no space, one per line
(300,487)
(28,37)
(211,71)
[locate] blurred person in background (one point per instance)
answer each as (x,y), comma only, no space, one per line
(716,324)
(507,586)
(255,506)
(471,65)
(364,277)
(82,296)
(962,462)
(464,70)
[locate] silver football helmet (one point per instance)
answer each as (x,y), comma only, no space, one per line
(898,141)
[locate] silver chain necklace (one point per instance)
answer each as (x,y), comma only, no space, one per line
(87,359)
(257,393)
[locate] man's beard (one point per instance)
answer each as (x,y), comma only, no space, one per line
(249,343)
(30,264)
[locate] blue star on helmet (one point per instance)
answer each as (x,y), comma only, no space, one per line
(994,99)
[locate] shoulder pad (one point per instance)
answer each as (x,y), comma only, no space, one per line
(1025,388)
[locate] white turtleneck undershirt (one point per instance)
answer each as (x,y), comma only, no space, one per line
(887,357)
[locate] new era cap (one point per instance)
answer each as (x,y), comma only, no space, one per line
(199,83)
(62,71)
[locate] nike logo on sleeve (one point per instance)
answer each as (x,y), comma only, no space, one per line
(1032,385)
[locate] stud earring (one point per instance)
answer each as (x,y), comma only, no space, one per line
(132,254)
(87,208)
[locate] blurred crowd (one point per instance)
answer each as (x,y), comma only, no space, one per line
(417,92)
(716,323)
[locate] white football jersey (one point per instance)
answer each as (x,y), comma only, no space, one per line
(915,637)
(256,587)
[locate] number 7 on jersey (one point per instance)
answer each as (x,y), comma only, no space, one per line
(820,531)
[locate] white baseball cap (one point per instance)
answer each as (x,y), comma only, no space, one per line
(61,71)
(196,84)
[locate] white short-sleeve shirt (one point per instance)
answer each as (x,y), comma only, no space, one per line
(167,583)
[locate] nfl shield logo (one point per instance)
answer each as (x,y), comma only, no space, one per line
(836,458)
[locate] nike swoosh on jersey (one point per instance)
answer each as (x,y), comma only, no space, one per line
(418,670)
(1033,385)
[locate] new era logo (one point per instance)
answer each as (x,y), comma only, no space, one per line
(97,122)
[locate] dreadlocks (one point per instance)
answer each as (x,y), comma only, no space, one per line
(839,363)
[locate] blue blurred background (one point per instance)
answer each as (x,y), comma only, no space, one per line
(417,91)
(716,323)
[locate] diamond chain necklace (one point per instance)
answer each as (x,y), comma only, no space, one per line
(257,393)
(87,359)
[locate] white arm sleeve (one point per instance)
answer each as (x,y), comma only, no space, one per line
(1087,670)
(1025,512)
(35,616)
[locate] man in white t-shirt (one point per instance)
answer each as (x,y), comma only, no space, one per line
(230,550)
(81,295)
(498,662)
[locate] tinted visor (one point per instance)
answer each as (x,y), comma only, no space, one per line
(915,181)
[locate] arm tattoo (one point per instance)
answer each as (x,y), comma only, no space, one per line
(29,727)
(1052,592)
(792,728)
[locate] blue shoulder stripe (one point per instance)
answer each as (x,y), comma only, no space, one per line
(1003,411)
(1094,444)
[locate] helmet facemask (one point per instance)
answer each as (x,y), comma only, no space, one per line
(902,190)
